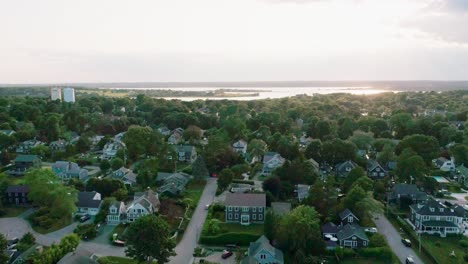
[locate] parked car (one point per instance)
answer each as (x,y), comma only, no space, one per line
(226,254)
(406,242)
(207,206)
(84,218)
(410,260)
(119,243)
(370,230)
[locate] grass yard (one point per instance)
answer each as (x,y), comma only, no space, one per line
(56,225)
(116,260)
(238,228)
(194,191)
(441,248)
(12,211)
(366,261)
(119,230)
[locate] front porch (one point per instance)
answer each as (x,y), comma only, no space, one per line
(439,227)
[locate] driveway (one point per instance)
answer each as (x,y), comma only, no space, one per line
(216,258)
(394,240)
(185,248)
(17,227)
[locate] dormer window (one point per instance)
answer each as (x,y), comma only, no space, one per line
(432,209)
(441,210)
(348,168)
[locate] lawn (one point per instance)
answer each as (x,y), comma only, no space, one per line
(11,211)
(441,248)
(238,228)
(194,191)
(116,260)
(119,230)
(365,261)
(56,225)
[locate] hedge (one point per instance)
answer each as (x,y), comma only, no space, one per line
(240,239)
(378,252)
(243,182)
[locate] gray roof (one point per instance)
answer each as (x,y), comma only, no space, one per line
(433,207)
(281,208)
(79,256)
(17,189)
(350,230)
(329,228)
(185,148)
(150,196)
(268,156)
(86,199)
(245,199)
(345,214)
(264,243)
(372,164)
(26,158)
(341,167)
(404,189)
(440,161)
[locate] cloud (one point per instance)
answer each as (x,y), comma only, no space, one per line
(445,20)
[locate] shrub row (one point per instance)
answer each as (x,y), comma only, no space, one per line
(240,239)
(243,182)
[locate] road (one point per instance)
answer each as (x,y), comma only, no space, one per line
(185,248)
(394,240)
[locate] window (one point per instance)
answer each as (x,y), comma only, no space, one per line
(254,209)
(254,217)
(230,208)
(230,216)
(441,209)
(432,209)
(426,217)
(438,218)
(364,243)
(450,218)
(236,209)
(260,209)
(236,216)
(260,217)
(245,209)
(350,219)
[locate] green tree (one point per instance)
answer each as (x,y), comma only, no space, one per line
(116,163)
(425,146)
(225,178)
(323,197)
(272,221)
(193,133)
(257,148)
(305,235)
(410,165)
(460,154)
(3,246)
(352,177)
(314,150)
(272,185)
(337,150)
(104,166)
(213,226)
(199,169)
(362,140)
(148,239)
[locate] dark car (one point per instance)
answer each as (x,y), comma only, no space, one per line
(406,242)
(84,218)
(226,254)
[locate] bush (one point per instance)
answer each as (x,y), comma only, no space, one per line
(243,182)
(86,231)
(378,252)
(378,240)
(218,207)
(463,243)
(240,239)
(465,257)
(342,253)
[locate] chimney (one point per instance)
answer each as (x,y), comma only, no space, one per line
(69,165)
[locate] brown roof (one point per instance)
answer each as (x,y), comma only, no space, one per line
(245,199)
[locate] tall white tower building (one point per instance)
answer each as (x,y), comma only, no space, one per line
(69,95)
(55,94)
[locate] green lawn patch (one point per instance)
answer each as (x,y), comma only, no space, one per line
(232,233)
(119,230)
(13,211)
(116,260)
(366,261)
(441,248)
(194,190)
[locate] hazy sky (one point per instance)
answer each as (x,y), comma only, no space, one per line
(232,40)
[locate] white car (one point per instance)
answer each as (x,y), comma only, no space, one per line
(410,260)
(207,206)
(371,230)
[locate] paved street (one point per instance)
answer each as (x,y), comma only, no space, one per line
(394,240)
(185,248)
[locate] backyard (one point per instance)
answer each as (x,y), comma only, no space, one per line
(441,248)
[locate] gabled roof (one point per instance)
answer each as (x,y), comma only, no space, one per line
(440,161)
(264,243)
(17,189)
(372,164)
(433,207)
(127,174)
(150,196)
(26,158)
(86,200)
(185,148)
(329,228)
(240,144)
(245,199)
(345,213)
(350,230)
(412,190)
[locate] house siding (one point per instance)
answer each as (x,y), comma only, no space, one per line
(235,214)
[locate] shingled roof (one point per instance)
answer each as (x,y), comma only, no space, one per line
(245,199)
(17,189)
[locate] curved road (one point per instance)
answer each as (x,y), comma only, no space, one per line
(186,246)
(394,240)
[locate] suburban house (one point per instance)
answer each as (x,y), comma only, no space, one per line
(58,146)
(186,153)
(26,146)
(408,191)
(23,163)
(375,170)
(164,131)
(352,235)
(343,169)
(79,256)
(433,217)
(176,136)
(245,208)
(88,203)
(173,183)
(271,161)
(17,194)
(116,214)
(315,165)
(110,150)
(95,141)
(391,165)
(262,252)
(240,146)
(125,175)
(444,164)
(461,172)
(347,217)
(144,203)
(119,137)
(67,170)
(347,234)
(304,140)
(302,191)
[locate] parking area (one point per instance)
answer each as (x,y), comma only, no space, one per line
(216,258)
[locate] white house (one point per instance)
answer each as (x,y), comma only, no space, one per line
(444,164)
(240,146)
(88,203)
(144,203)
(271,161)
(110,150)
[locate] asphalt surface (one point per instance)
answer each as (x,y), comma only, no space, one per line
(394,240)
(186,246)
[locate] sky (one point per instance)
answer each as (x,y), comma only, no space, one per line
(60,41)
